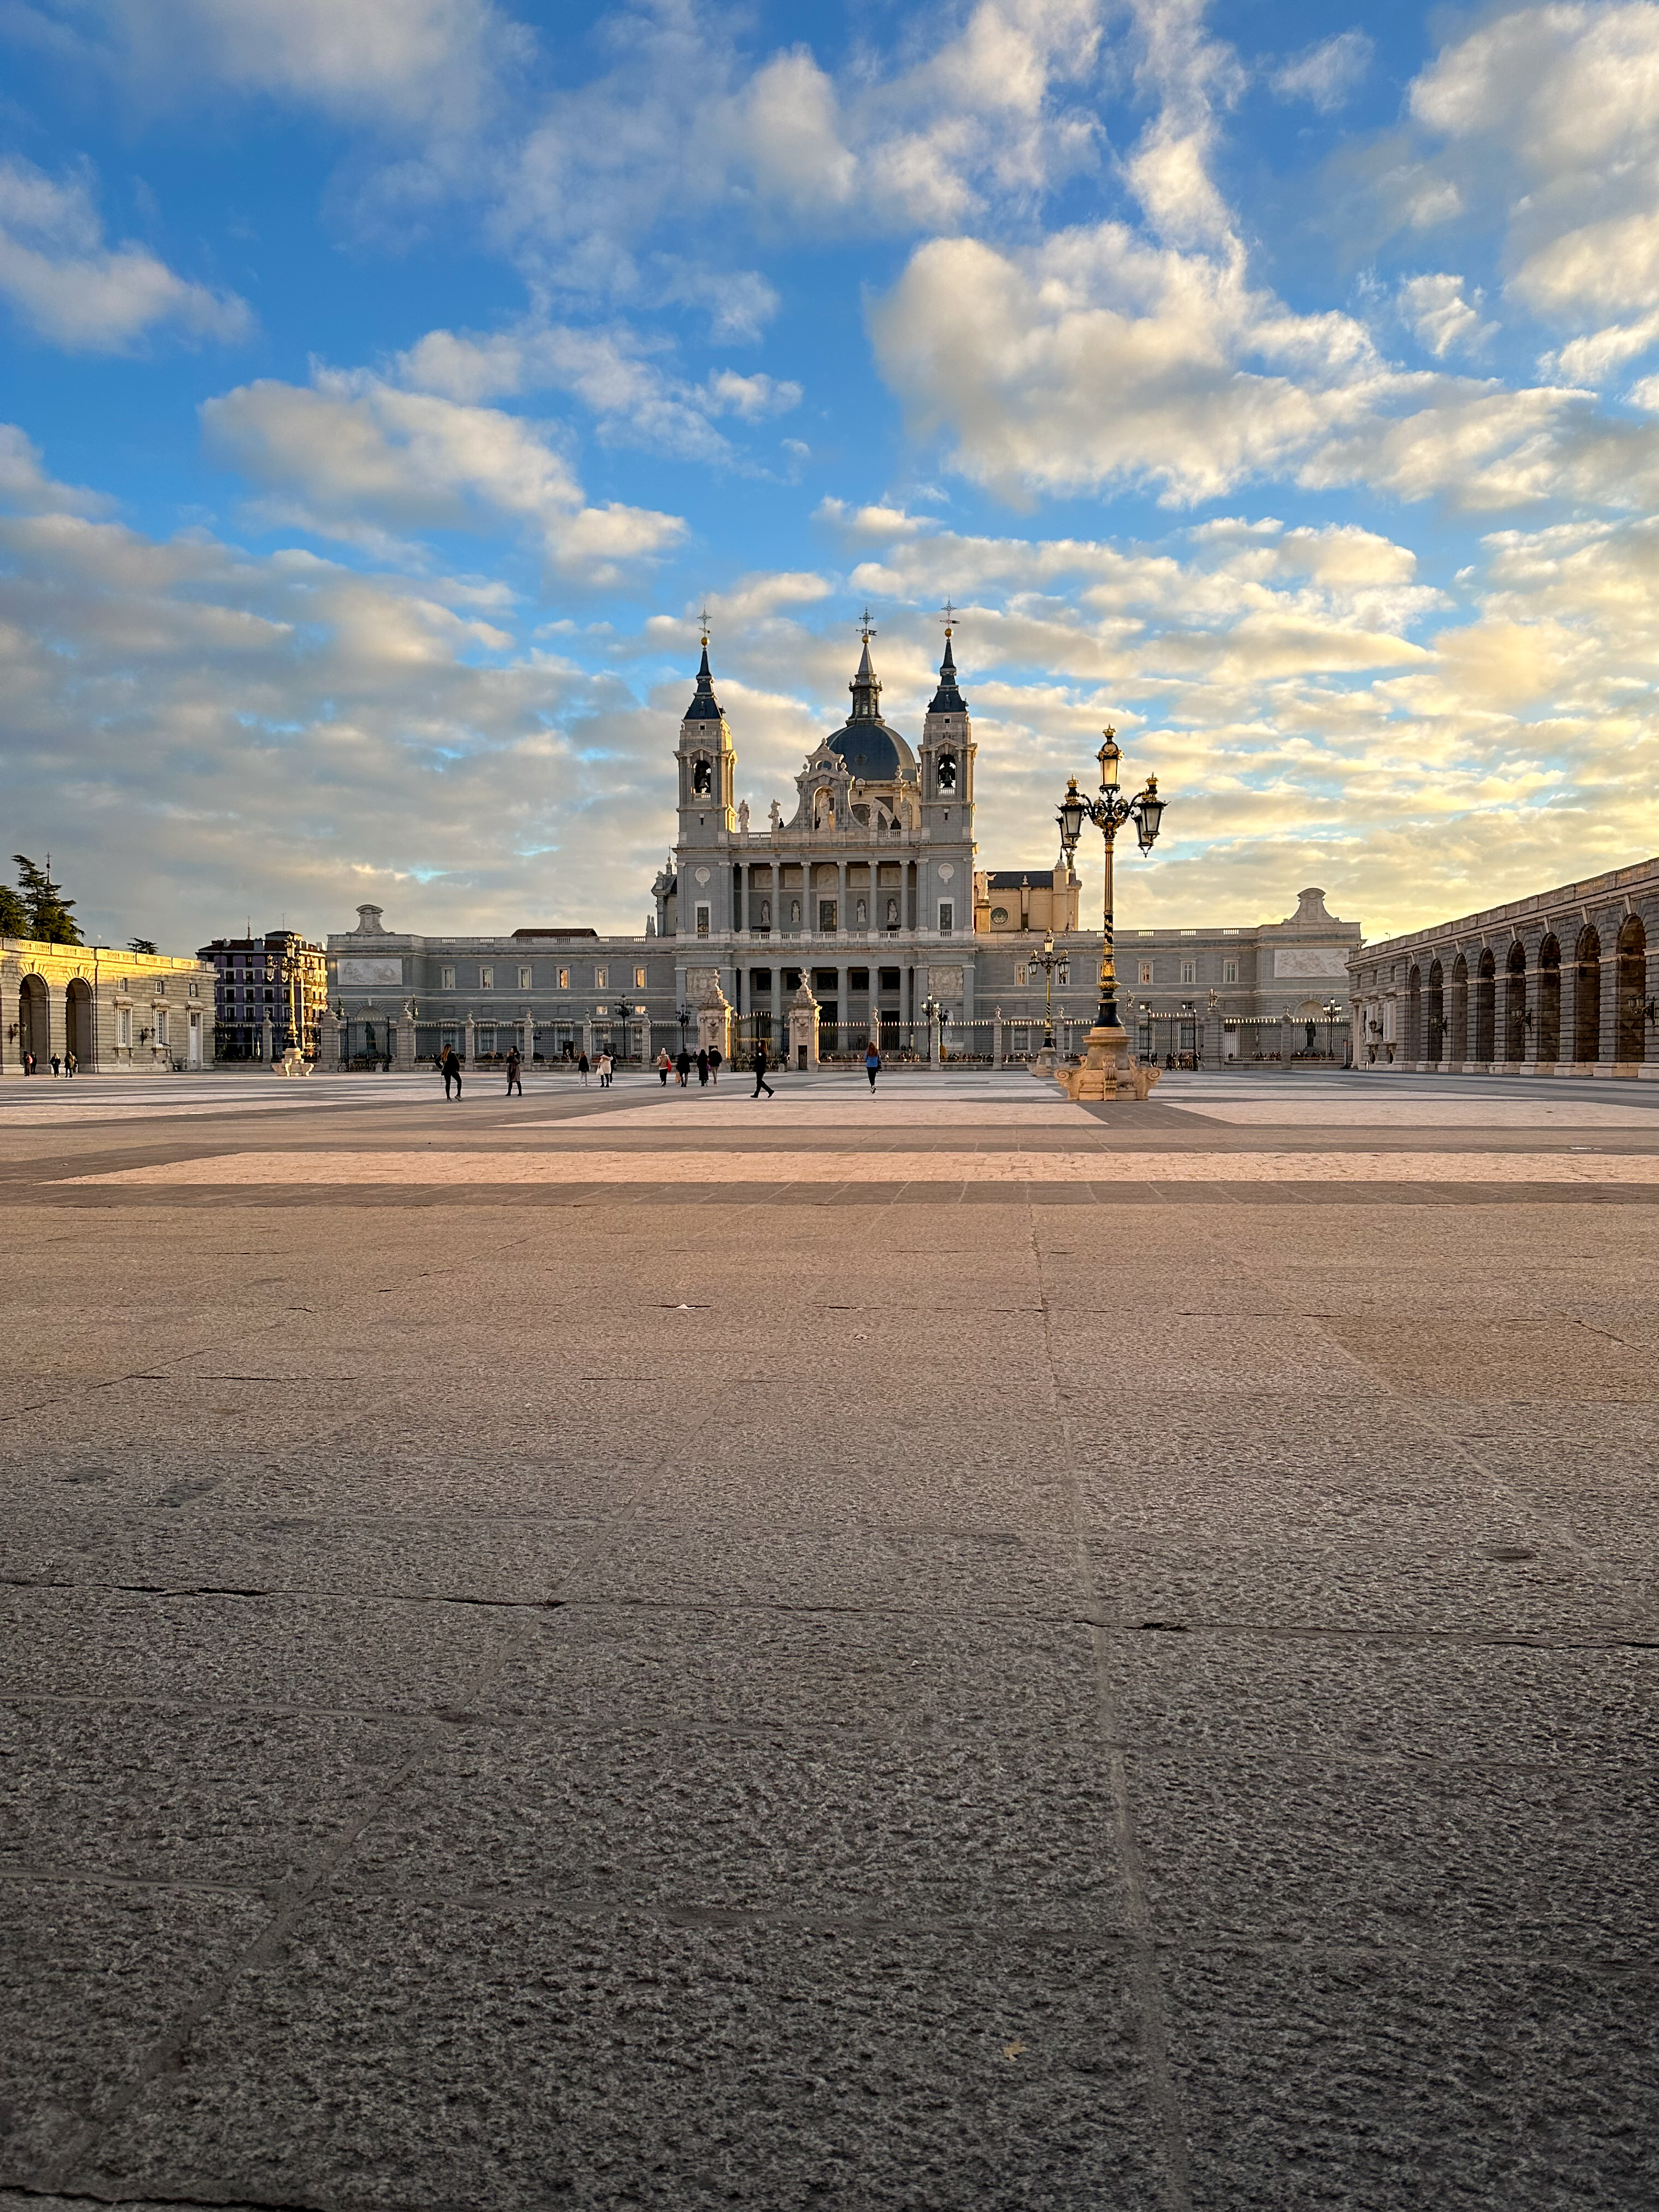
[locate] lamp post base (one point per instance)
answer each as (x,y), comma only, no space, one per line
(1109,1070)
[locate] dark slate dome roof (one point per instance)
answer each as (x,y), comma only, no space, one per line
(872,751)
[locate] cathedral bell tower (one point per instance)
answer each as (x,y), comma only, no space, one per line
(708,769)
(947,756)
(707,764)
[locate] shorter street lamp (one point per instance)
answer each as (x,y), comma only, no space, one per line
(685,1023)
(1048,960)
(934,1010)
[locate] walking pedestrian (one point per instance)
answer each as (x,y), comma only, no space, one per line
(604,1070)
(581,1070)
(683,1067)
(451,1066)
(54,1064)
(69,1063)
(514,1066)
(703,1068)
(665,1067)
(714,1063)
(872,1062)
(28,1063)
(759,1065)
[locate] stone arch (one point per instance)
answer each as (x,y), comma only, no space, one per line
(1549,1000)
(1633,990)
(1415,1013)
(1459,1009)
(1587,995)
(77,1022)
(1514,1003)
(1486,1007)
(33,1021)
(1436,1011)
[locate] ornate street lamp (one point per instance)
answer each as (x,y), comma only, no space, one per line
(936,1014)
(1109,813)
(685,1022)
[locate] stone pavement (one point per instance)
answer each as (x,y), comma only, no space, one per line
(941,1650)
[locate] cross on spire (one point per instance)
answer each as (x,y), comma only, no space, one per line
(948,615)
(702,622)
(866,628)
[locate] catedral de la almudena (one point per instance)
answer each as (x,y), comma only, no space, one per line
(860,902)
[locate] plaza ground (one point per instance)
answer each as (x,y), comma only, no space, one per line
(945,1649)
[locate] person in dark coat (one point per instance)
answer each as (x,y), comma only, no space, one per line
(683,1064)
(702,1069)
(759,1064)
(452,1074)
(514,1067)
(714,1063)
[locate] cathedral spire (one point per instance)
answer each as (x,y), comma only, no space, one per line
(705,707)
(947,700)
(865,686)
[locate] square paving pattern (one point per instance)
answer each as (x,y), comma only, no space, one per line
(941,1650)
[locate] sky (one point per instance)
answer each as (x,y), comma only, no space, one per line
(386,387)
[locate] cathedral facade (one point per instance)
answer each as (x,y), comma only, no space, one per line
(866,901)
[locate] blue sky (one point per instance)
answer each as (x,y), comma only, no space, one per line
(385,386)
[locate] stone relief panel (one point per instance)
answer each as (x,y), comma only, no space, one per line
(1310,959)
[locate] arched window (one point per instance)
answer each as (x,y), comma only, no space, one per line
(1515,1004)
(1459,1009)
(1486,1008)
(1587,997)
(1414,1014)
(1549,1001)
(1633,990)
(1436,1011)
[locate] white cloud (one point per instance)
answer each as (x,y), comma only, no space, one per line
(1327,75)
(1095,358)
(429,62)
(1551,113)
(68,286)
(1444,321)
(684,126)
(354,457)
(753,398)
(616,372)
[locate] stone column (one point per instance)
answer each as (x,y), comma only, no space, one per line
(469,1043)
(996,1037)
(405,1050)
(328,1042)
(527,1037)
(843,913)
(264,1035)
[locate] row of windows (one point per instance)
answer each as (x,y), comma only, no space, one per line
(1189,971)
(487,979)
(829,916)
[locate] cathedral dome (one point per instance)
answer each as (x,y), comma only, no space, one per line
(873,752)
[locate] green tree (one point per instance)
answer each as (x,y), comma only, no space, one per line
(14,915)
(51,916)
(141,944)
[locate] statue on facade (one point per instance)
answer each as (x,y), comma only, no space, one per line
(743,816)
(777,816)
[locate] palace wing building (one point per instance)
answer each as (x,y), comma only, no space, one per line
(866,901)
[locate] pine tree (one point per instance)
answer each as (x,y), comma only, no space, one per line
(14,915)
(51,916)
(141,944)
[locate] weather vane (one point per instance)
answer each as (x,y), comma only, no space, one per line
(948,615)
(866,628)
(703,621)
